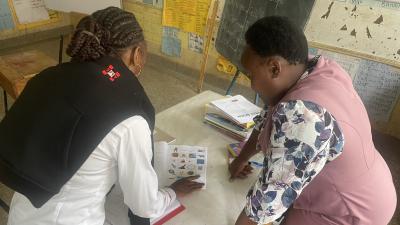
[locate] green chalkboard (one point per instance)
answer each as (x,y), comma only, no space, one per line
(238,15)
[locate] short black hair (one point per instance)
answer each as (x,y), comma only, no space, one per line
(278,36)
(105,32)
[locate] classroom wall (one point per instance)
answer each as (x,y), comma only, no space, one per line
(150,18)
(393,126)
(366,30)
(46,37)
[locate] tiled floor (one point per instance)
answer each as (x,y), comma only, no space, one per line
(167,87)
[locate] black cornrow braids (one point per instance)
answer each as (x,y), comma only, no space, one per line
(105,32)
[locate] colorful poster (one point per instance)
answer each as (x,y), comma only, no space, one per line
(6,20)
(30,11)
(223,65)
(196,42)
(158,3)
(189,16)
(170,32)
(171,44)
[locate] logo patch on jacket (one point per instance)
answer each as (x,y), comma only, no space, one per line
(111,73)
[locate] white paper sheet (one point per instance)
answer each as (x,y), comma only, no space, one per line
(30,11)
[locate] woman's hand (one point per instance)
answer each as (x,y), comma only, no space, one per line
(239,168)
(186,186)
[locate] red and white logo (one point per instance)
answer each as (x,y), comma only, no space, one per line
(111,73)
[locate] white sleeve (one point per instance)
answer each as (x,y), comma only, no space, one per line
(137,177)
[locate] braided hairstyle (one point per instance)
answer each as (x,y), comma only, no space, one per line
(106,32)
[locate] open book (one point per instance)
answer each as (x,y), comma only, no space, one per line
(172,162)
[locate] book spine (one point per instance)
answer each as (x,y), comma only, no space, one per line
(232,151)
(212,109)
(226,132)
(170,215)
(226,125)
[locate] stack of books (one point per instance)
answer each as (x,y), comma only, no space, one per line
(232,116)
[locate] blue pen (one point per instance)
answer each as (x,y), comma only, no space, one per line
(256,164)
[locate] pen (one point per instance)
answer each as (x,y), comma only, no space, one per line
(256,164)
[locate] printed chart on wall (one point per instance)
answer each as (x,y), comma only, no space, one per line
(365,28)
(155,3)
(6,19)
(189,16)
(171,45)
(32,13)
(196,42)
(376,83)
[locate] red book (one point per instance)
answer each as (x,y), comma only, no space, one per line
(174,209)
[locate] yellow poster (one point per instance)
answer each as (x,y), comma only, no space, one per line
(189,16)
(223,65)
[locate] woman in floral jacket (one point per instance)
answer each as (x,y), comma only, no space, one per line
(321,166)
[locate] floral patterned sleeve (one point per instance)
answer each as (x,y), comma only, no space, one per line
(259,119)
(304,137)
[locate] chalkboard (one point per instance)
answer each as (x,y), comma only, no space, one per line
(238,15)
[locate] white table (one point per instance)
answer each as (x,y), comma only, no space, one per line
(222,201)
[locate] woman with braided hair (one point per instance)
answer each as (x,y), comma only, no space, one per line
(80,126)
